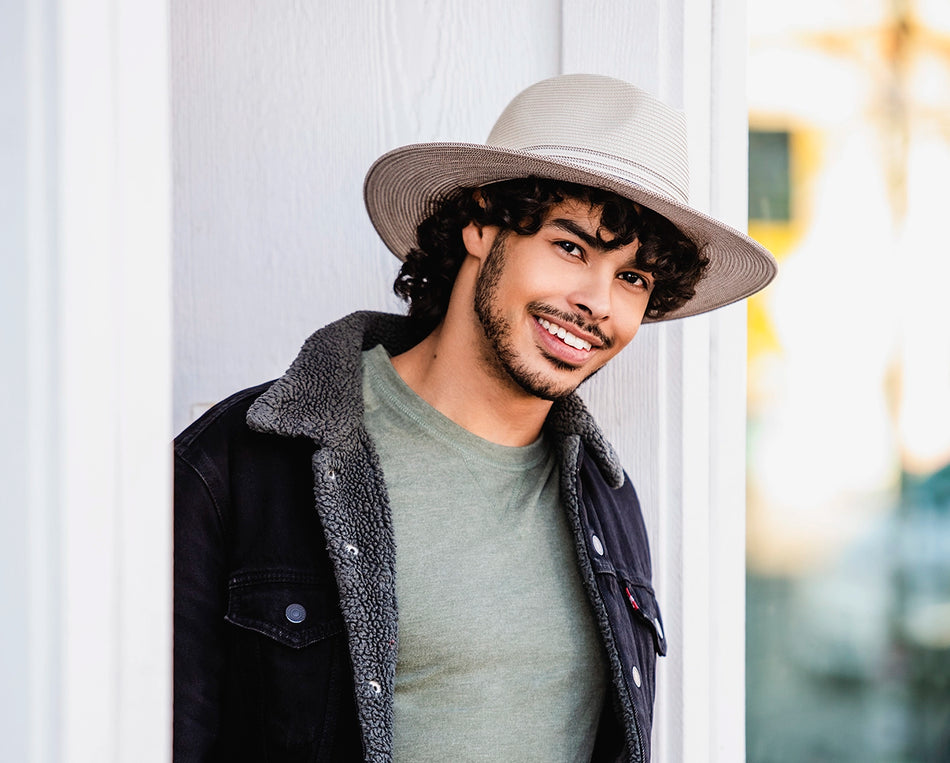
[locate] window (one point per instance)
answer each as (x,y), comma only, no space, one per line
(769,179)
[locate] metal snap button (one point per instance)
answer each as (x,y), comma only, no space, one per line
(659,628)
(374,685)
(296,613)
(636,676)
(352,550)
(598,546)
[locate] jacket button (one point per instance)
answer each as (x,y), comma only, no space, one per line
(636,676)
(296,613)
(351,549)
(374,686)
(598,546)
(331,473)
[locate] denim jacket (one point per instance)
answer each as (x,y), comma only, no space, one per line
(285,612)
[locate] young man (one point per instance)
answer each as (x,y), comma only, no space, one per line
(416,544)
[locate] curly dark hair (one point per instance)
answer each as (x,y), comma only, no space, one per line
(520,206)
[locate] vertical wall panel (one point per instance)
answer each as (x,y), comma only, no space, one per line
(14,346)
(86,514)
(113,341)
(727,531)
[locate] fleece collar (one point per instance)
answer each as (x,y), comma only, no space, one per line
(321,395)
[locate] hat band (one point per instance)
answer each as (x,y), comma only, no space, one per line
(618,168)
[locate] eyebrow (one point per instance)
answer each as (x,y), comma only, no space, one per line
(574,229)
(594,242)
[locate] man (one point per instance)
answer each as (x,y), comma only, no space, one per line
(416,543)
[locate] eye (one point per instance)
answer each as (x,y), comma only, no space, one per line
(570,248)
(635,279)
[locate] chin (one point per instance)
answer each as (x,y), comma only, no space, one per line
(545,384)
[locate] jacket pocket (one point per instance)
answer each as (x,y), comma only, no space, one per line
(288,671)
(289,607)
(646,611)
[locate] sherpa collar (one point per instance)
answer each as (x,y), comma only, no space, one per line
(321,395)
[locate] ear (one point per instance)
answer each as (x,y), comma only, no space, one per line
(478,239)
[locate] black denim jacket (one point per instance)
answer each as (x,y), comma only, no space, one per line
(285,616)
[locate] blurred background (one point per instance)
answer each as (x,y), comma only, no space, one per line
(848,518)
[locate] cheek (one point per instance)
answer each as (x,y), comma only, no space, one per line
(523,288)
(629,315)
(622,337)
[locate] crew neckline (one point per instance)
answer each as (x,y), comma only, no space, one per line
(393,391)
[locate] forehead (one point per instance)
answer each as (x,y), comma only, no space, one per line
(577,210)
(584,218)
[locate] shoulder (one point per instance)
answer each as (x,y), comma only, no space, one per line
(220,452)
(223,420)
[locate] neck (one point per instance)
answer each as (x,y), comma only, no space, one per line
(448,371)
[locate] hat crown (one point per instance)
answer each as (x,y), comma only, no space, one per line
(601,124)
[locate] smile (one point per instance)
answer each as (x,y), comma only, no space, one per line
(564,335)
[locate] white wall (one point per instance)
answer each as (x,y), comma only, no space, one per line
(85,234)
(279,109)
(14,559)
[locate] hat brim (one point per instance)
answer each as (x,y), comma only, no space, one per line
(403,186)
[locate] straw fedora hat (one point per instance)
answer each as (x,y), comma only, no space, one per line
(581,128)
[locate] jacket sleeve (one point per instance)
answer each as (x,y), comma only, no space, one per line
(200,604)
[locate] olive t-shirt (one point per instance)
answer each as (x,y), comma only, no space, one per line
(498,656)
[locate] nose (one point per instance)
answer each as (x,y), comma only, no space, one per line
(591,294)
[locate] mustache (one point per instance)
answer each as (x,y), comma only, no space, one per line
(540,308)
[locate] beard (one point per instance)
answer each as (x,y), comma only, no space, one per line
(499,353)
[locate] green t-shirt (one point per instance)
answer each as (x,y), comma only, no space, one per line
(498,654)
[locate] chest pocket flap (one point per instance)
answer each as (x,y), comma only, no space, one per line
(293,608)
(647,612)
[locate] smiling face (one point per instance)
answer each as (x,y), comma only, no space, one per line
(556,305)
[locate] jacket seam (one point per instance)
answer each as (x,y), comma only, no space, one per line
(250,577)
(218,511)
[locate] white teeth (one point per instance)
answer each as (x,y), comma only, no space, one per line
(566,336)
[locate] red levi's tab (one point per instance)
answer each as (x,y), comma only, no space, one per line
(632,600)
